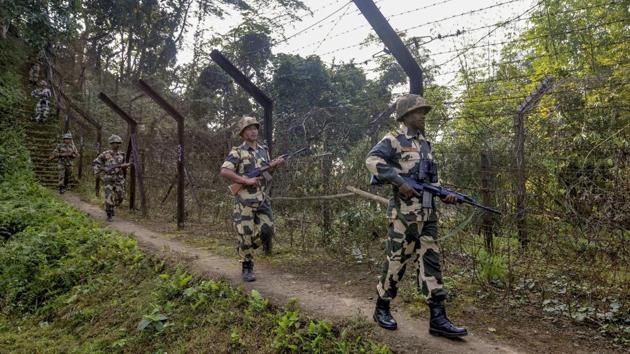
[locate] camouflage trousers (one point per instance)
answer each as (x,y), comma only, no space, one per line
(41,111)
(65,175)
(114,192)
(414,242)
(253,224)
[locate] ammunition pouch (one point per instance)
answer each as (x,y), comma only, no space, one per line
(427,171)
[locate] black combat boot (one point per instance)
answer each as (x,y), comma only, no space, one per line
(248,270)
(109,213)
(267,246)
(62,190)
(440,325)
(383,316)
(266,235)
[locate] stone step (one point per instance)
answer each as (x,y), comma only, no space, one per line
(45,169)
(43,129)
(50,172)
(47,177)
(42,142)
(50,176)
(43,139)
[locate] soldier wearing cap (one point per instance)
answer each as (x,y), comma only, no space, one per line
(42,108)
(111,165)
(412,220)
(65,153)
(252,217)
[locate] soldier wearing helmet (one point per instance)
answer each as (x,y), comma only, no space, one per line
(253,217)
(42,108)
(65,153)
(412,226)
(111,166)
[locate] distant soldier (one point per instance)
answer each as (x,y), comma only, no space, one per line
(33,74)
(112,167)
(65,153)
(41,109)
(253,218)
(413,222)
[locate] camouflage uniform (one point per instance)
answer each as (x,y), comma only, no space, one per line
(33,74)
(412,228)
(114,180)
(252,217)
(65,153)
(42,108)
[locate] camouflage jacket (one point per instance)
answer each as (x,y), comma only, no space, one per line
(243,159)
(398,154)
(65,153)
(108,158)
(42,94)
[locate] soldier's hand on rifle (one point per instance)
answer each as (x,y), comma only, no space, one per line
(450,199)
(277,162)
(406,190)
(250,181)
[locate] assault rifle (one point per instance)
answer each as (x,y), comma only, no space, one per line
(262,171)
(110,168)
(59,156)
(441,192)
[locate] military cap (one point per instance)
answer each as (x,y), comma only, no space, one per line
(43,83)
(408,103)
(245,122)
(114,139)
(67,136)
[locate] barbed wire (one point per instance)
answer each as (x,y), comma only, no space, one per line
(367,25)
(457,33)
(332,29)
(305,29)
(532,38)
(527,59)
(501,24)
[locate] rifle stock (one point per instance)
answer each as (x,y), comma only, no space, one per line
(109,168)
(235,188)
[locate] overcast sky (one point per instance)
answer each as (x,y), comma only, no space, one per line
(337,37)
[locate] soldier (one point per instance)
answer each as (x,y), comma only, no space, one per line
(41,109)
(412,225)
(112,164)
(252,218)
(33,74)
(64,153)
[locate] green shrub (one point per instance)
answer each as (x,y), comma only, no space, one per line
(492,268)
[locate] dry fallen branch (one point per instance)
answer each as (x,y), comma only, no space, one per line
(367,195)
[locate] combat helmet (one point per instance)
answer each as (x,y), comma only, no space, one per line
(408,103)
(43,83)
(245,122)
(114,139)
(67,136)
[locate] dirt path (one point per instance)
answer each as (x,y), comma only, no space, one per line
(314,298)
